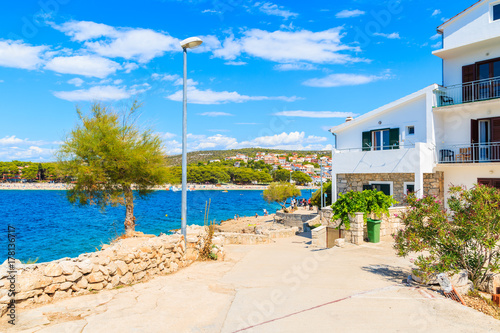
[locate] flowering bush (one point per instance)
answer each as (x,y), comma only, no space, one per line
(369,201)
(466,238)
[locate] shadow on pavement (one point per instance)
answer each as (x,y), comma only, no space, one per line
(391,273)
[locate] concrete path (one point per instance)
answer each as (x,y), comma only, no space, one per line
(281,287)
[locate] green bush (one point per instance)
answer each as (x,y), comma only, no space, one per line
(467,238)
(369,201)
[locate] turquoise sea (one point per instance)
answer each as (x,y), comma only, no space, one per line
(48,227)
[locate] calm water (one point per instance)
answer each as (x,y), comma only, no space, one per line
(49,228)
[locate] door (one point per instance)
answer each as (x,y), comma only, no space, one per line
(484,140)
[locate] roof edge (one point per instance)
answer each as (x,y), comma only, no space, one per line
(439,28)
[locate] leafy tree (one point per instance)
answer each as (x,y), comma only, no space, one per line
(467,238)
(368,202)
(109,155)
(31,172)
(280,193)
(316,197)
(264,177)
(301,178)
(281,175)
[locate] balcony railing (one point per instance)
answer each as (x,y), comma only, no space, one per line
(378,148)
(474,91)
(471,153)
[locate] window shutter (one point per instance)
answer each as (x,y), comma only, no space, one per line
(394,138)
(495,129)
(474,131)
(468,75)
(367,141)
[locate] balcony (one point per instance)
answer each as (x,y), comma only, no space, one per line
(470,153)
(469,92)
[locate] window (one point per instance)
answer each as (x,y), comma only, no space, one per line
(496,12)
(382,139)
(410,130)
(385,187)
(409,188)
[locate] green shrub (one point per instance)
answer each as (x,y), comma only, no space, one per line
(369,201)
(467,238)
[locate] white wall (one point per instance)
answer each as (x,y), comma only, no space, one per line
(453,124)
(410,113)
(472,27)
(467,175)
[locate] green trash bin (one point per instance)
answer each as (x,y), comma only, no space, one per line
(374,230)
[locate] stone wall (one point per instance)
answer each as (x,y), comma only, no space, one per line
(125,262)
(433,183)
(295,220)
(318,236)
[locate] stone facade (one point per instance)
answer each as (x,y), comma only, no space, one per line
(295,220)
(433,183)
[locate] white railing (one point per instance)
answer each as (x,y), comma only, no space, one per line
(474,91)
(378,148)
(470,153)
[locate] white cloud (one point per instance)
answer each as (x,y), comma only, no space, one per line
(394,35)
(275,10)
(315,114)
(130,66)
(210,11)
(13,148)
(17,54)
(83,65)
(77,82)
(215,114)
(436,12)
(350,13)
(165,77)
(340,80)
(97,93)
(10,140)
(436,36)
(209,96)
(298,66)
(138,44)
(2,81)
(166,135)
(437,45)
(235,63)
(290,46)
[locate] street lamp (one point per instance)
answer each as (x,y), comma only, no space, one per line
(189,43)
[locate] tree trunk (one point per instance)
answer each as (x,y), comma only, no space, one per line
(129,205)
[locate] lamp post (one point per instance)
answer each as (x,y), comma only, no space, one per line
(189,43)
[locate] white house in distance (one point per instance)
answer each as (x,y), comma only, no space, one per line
(441,135)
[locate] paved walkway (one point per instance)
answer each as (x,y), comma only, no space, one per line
(280,287)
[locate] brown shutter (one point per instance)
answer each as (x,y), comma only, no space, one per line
(495,129)
(474,131)
(468,75)
(474,138)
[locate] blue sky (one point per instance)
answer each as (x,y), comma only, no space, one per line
(271,74)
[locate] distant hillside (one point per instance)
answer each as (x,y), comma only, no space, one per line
(207,155)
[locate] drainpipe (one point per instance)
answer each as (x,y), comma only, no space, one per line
(334,175)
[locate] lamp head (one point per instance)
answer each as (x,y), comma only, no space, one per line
(191,43)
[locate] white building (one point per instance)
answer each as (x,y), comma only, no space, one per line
(438,136)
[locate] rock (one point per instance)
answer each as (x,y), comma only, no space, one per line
(122,267)
(104,259)
(127,278)
(340,242)
(85,266)
(53,270)
(27,282)
(82,284)
(115,281)
(44,298)
(418,277)
(460,279)
(52,288)
(95,277)
(68,267)
(73,277)
(174,267)
(161,267)
(491,284)
(65,286)
(5,300)
(74,287)
(111,268)
(95,286)
(103,270)
(464,290)
(139,276)
(43,282)
(28,294)
(59,279)
(62,294)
